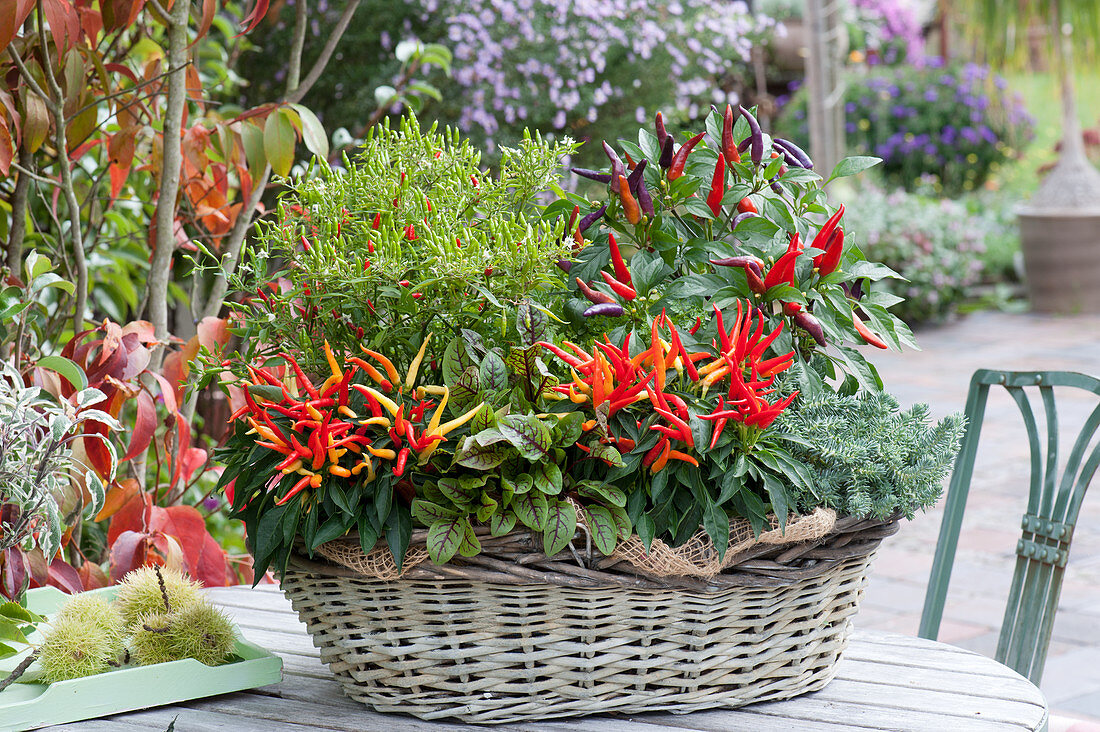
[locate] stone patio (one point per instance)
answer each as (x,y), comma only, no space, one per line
(939,375)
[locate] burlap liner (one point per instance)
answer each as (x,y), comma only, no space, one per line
(697,557)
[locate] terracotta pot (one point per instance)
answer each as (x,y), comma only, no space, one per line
(1061,259)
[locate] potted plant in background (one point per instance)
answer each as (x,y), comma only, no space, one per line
(529,451)
(1060,225)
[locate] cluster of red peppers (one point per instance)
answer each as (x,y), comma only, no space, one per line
(319,434)
(609,379)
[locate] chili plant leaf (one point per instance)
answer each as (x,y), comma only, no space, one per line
(561,525)
(717,525)
(602,528)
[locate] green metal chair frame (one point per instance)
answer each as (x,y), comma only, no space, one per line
(1052,509)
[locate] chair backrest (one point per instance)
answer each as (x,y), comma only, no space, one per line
(1052,509)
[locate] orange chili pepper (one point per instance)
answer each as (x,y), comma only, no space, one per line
(631,209)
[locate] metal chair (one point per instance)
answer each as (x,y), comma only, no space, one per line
(1052,510)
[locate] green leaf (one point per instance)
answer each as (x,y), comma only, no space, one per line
(470,546)
(429,513)
(520,485)
(531,323)
(398,532)
(9,631)
(15,611)
(459,492)
(622,521)
(501,523)
(777,494)
(445,537)
(603,528)
(313,132)
(717,525)
(267,536)
(853,165)
(70,371)
(602,491)
(561,525)
(568,429)
(547,478)
(481,457)
(6,651)
(528,434)
(466,390)
(456,360)
(279,141)
(531,509)
(487,509)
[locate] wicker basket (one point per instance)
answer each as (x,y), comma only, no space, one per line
(510,637)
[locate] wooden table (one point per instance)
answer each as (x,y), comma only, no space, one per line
(884,682)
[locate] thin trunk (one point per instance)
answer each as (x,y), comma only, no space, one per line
(56,104)
(1073,145)
(19,212)
(161,267)
(294,74)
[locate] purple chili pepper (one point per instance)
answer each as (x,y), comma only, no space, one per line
(644,200)
(592,175)
(617,167)
(740,217)
(609,309)
(565,265)
(666,153)
(635,176)
(744,144)
(662,133)
(756,135)
(743,260)
(589,219)
(775,187)
(788,158)
(811,325)
(800,155)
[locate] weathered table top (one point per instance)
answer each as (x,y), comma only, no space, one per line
(885,681)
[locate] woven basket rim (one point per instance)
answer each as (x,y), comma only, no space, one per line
(761,566)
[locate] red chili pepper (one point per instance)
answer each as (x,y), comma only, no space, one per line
(305,243)
(795,244)
(685,431)
(302,380)
(865,333)
(828,262)
(717,187)
(679,159)
(622,290)
(791,308)
(595,296)
(622,274)
(746,206)
(654,452)
(729,147)
(689,367)
(782,271)
(567,357)
(821,241)
(631,209)
(402,458)
(698,322)
(377,221)
(410,232)
(659,126)
(298,488)
(630,164)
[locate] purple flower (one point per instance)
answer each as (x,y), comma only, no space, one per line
(211,503)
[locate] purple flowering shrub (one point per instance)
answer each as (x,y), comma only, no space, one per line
(957,123)
(935,244)
(888,31)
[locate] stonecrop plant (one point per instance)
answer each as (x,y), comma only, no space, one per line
(628,373)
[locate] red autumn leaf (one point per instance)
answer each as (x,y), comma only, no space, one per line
(64,577)
(36,566)
(145,425)
(205,558)
(253,19)
(92,576)
(191,460)
(133,516)
(7,147)
(96,450)
(64,22)
(213,332)
(118,496)
(13,572)
(12,15)
(128,552)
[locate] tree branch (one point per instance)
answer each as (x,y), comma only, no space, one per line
(172,160)
(298,42)
(55,102)
(19,209)
(326,53)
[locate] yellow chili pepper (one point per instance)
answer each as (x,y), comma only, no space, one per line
(386,364)
(337,373)
(339,471)
(411,378)
(385,401)
(384,452)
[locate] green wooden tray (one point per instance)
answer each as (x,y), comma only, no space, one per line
(26,706)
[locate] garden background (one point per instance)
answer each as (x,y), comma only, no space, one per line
(140,142)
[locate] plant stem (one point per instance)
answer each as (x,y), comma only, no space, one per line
(18,670)
(294,73)
(19,212)
(164,217)
(326,53)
